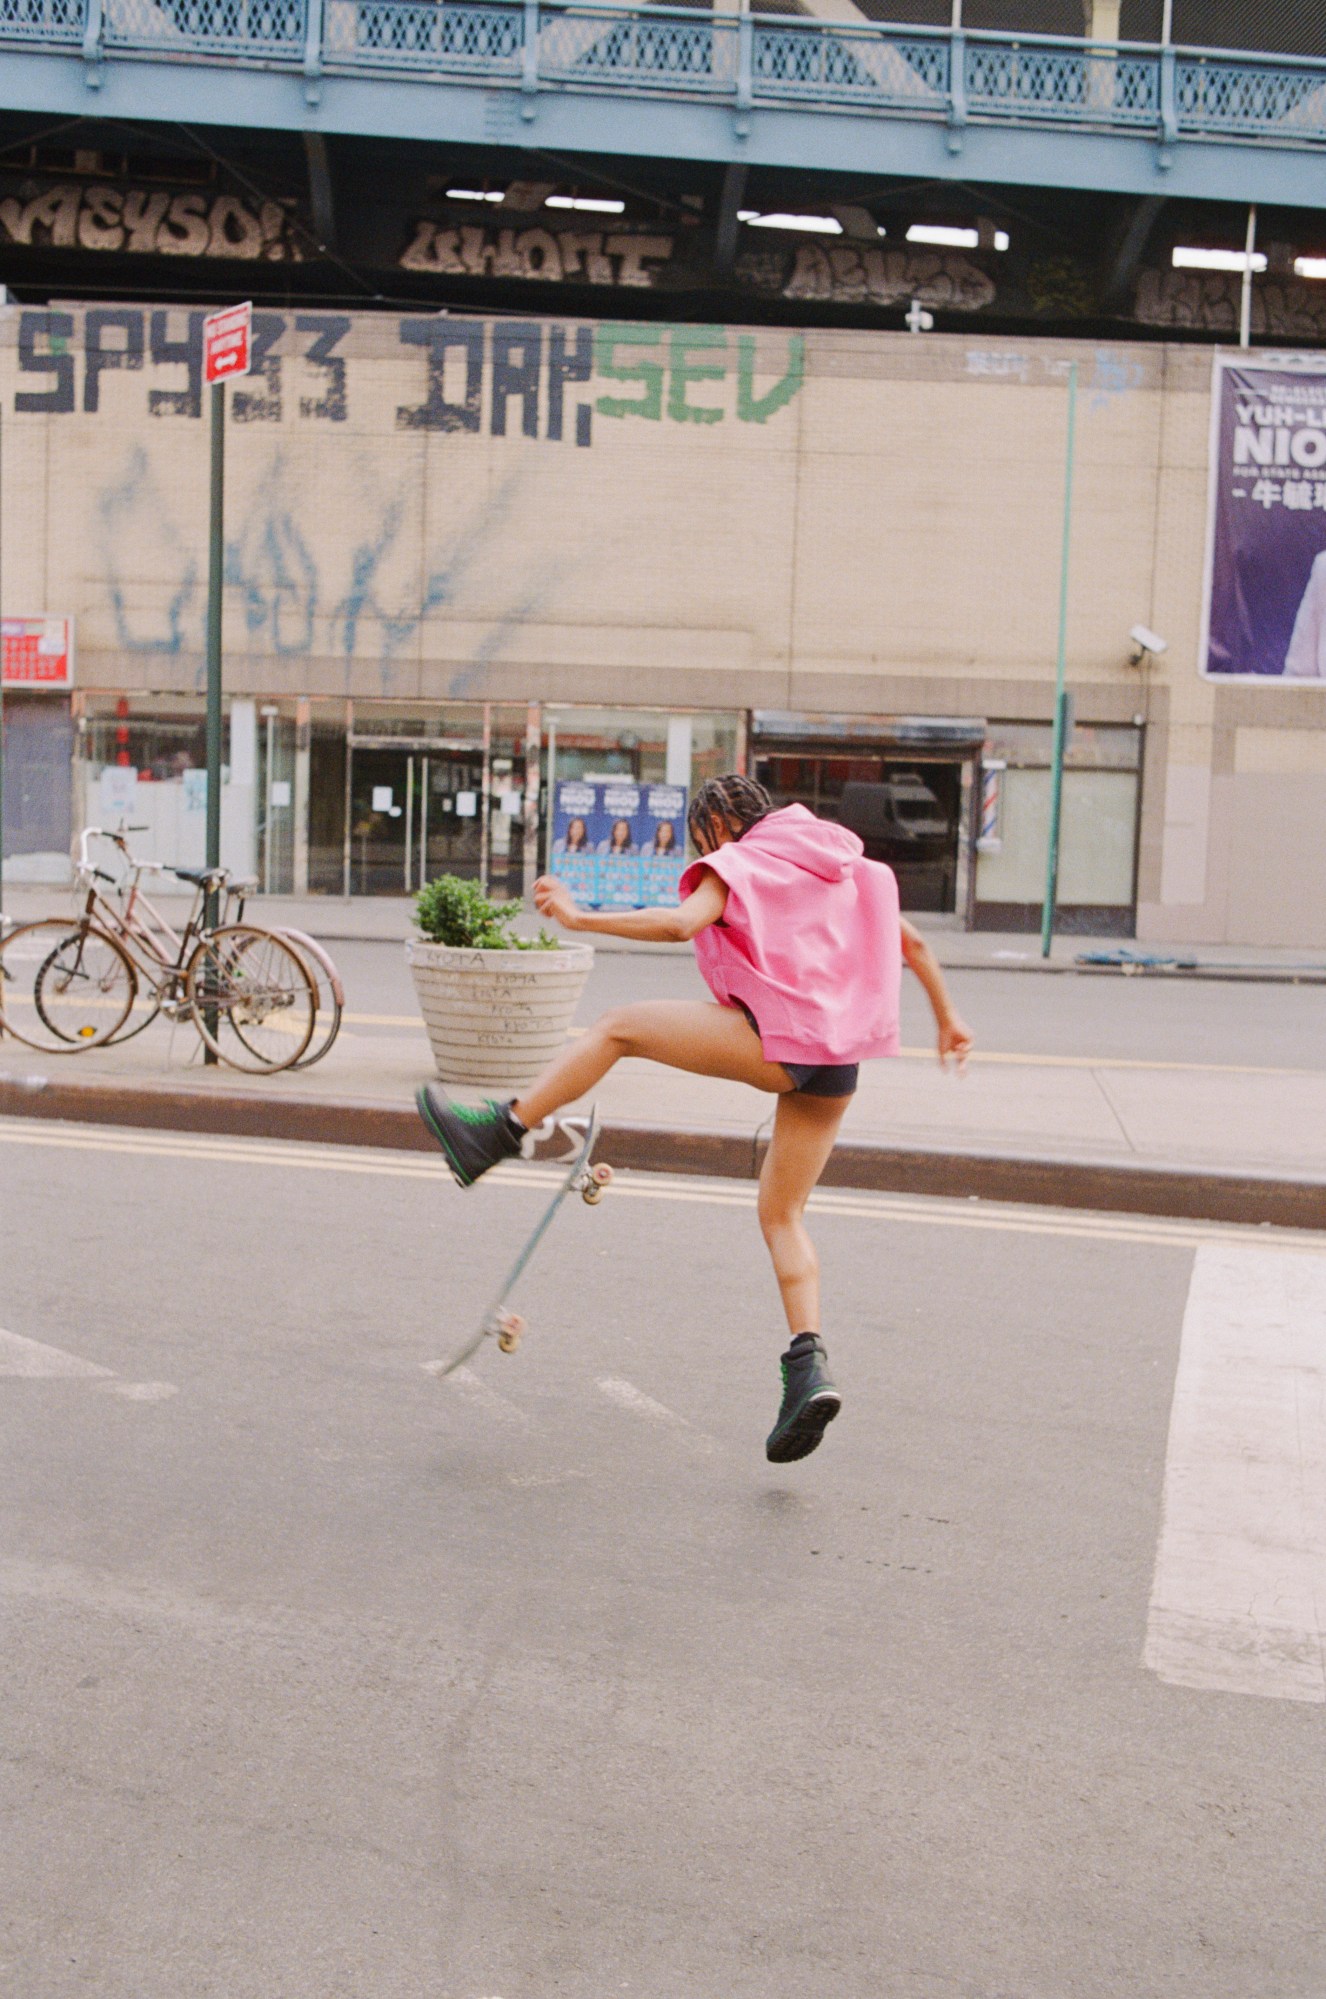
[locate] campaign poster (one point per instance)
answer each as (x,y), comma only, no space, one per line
(619,844)
(1266,601)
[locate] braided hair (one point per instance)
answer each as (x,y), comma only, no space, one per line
(730,804)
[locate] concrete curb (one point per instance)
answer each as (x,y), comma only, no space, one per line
(1181,1192)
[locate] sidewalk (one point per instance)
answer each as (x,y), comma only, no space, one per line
(388,919)
(1162,1137)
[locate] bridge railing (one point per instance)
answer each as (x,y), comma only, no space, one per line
(954,76)
(238,30)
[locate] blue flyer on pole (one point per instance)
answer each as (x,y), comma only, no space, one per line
(618,844)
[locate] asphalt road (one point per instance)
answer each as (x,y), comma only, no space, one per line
(1154,1019)
(327,1680)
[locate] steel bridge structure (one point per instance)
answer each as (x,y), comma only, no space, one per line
(731,88)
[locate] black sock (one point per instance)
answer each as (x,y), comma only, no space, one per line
(799,1343)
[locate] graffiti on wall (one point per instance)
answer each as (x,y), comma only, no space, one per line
(72,358)
(147,221)
(522,378)
(293,596)
(845,273)
(1209,302)
(552,256)
(348,554)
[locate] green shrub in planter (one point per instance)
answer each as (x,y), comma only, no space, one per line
(456,912)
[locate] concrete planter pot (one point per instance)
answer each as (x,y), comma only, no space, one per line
(495,1018)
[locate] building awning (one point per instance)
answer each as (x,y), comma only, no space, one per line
(943,735)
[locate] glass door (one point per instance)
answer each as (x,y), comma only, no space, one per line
(381,786)
(448,795)
(419,809)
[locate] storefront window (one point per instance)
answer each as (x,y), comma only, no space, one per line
(1098,828)
(372,797)
(158,736)
(282,805)
(143,763)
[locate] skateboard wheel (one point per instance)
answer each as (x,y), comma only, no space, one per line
(592,1195)
(600,1175)
(509,1331)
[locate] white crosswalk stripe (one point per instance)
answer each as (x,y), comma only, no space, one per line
(31,1361)
(1238,1604)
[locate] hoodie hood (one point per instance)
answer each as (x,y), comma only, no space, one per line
(796,835)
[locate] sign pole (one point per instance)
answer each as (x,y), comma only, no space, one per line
(215,559)
(1060,690)
(2,718)
(227,347)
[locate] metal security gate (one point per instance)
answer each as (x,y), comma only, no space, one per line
(38,786)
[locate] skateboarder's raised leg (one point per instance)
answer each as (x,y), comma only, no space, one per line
(696,1035)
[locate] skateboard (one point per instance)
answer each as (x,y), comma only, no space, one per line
(499,1322)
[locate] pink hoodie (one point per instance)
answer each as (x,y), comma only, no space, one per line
(810,939)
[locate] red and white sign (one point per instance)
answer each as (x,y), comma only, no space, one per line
(38,654)
(226,343)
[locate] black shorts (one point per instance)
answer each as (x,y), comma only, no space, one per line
(815,1079)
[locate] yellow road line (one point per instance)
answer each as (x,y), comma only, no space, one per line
(926,1211)
(978,1059)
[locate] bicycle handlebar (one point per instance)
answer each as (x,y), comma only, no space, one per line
(87,868)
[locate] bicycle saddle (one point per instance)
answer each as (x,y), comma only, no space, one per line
(199,876)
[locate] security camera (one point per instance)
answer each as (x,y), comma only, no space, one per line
(1146,641)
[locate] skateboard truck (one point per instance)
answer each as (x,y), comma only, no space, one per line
(508,1326)
(590,1181)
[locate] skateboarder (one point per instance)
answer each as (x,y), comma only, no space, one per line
(800,940)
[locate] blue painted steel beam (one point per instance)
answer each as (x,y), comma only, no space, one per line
(1025,111)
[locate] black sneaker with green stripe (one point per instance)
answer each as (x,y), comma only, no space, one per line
(473,1136)
(810,1402)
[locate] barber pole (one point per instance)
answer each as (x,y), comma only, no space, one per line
(990,840)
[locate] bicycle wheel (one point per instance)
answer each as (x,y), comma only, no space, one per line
(254,999)
(65,985)
(331,995)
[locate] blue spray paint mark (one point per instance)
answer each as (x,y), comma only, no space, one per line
(273,568)
(1115,374)
(362,606)
(134,513)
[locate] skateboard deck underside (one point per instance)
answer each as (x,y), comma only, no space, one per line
(498,1322)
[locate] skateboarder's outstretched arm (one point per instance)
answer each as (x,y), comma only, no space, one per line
(954,1033)
(653,926)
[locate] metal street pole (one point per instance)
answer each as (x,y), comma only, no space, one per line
(1245,294)
(1060,690)
(270,715)
(2,716)
(215,552)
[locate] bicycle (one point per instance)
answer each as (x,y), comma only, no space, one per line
(68,984)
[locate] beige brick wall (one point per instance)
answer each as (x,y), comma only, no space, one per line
(886,540)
